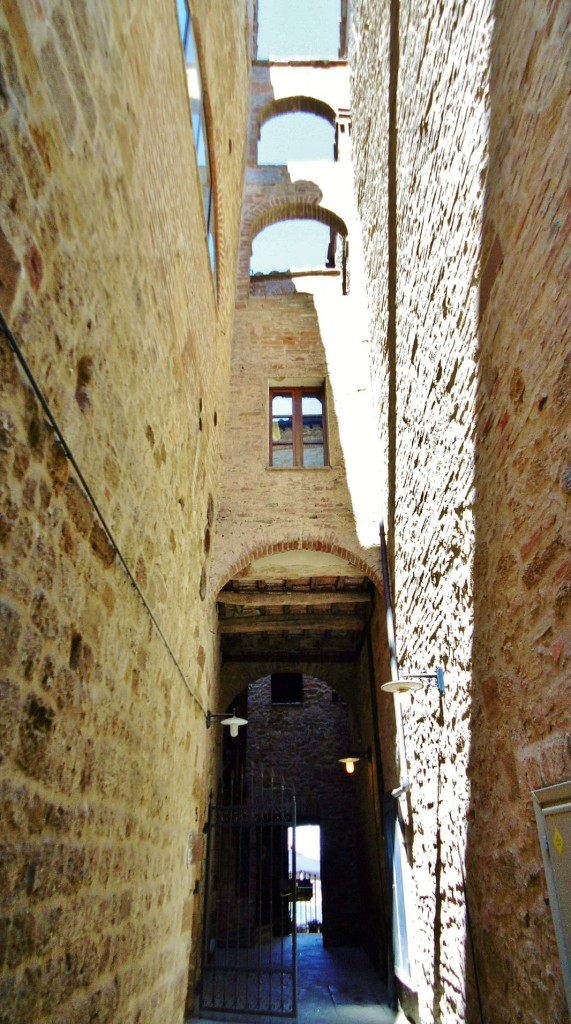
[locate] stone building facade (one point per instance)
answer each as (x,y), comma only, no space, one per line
(155,565)
(106,654)
(459,129)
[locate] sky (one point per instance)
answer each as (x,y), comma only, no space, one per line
(295,137)
(295,28)
(290,245)
(298,28)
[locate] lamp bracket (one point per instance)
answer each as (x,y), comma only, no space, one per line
(210,715)
(401,790)
(231,720)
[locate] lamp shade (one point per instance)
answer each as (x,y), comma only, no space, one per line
(234,723)
(402,685)
(351,760)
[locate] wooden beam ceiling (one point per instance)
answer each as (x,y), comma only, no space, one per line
(313,598)
(283,623)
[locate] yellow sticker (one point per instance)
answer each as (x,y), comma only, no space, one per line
(558,841)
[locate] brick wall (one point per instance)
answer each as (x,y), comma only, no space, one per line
(106,285)
(522,612)
(276,339)
(459,145)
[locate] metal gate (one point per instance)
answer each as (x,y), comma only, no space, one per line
(249,945)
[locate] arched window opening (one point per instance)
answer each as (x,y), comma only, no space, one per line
(303,31)
(292,245)
(199,131)
(296,137)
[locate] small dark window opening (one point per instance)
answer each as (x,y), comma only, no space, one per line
(287,688)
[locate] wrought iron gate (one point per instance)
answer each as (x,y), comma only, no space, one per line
(249,945)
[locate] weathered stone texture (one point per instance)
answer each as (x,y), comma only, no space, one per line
(476,416)
(106,285)
(522,635)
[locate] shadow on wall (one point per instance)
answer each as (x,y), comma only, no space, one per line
(522,579)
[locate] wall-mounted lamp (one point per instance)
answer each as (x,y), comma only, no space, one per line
(351,760)
(231,720)
(406,683)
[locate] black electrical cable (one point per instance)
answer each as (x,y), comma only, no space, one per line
(87,490)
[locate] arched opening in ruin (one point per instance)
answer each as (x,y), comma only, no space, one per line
(291,245)
(298,237)
(295,137)
(298,203)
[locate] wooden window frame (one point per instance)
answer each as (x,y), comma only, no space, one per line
(297,393)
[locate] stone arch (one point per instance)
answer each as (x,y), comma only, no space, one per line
(295,105)
(285,200)
(297,209)
(299,544)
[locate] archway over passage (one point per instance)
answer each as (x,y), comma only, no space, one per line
(299,616)
(295,603)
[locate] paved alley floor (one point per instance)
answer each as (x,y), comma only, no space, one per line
(335,986)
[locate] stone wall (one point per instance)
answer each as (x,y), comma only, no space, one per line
(522,610)
(460,144)
(107,654)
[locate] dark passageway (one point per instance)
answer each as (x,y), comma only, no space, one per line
(335,986)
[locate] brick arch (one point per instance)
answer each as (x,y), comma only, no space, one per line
(299,544)
(296,209)
(295,105)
